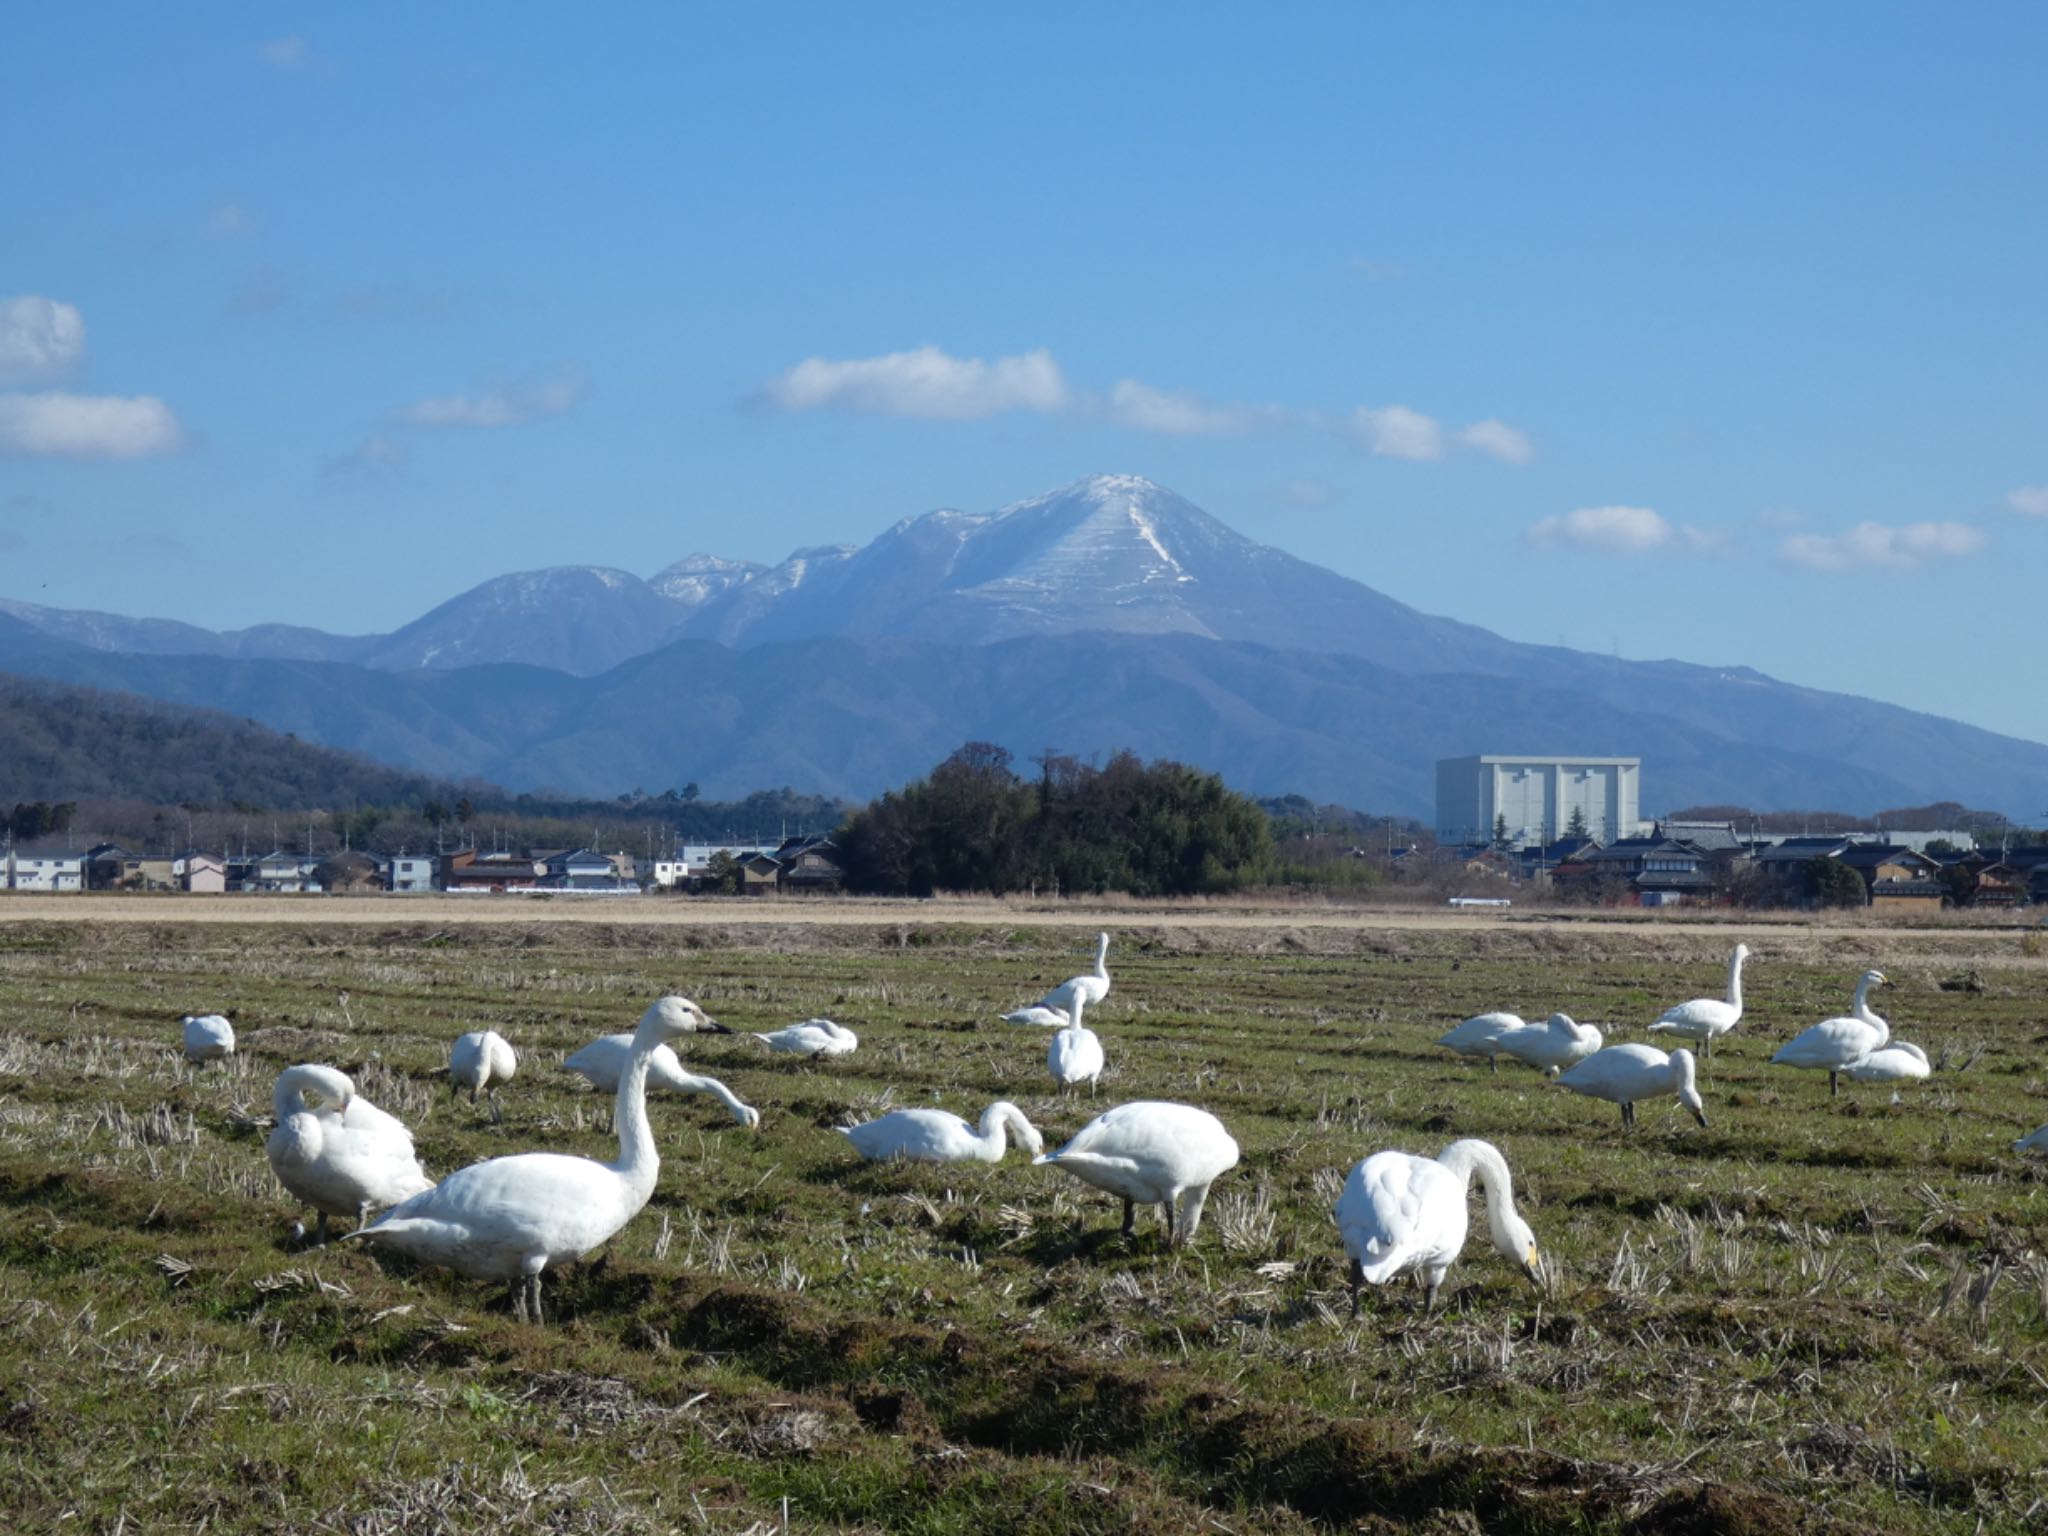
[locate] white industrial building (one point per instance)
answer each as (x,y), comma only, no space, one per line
(1535,797)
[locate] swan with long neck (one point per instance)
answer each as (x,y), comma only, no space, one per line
(1153,1154)
(336,1151)
(1621,1074)
(1401,1214)
(1090,987)
(509,1218)
(1835,1045)
(603,1064)
(1559,1042)
(1074,1055)
(1704,1019)
(935,1136)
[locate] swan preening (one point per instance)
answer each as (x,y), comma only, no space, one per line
(1835,1045)
(208,1037)
(1706,1018)
(340,1154)
(1551,1046)
(1621,1074)
(935,1136)
(1074,1055)
(813,1037)
(1152,1154)
(604,1061)
(511,1217)
(479,1061)
(1400,1215)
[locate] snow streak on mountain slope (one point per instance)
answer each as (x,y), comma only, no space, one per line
(576,619)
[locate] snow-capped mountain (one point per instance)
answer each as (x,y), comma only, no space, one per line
(574,618)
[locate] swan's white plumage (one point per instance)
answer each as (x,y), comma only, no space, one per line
(1090,987)
(1833,1045)
(208,1037)
(1479,1037)
(1706,1019)
(343,1155)
(1900,1061)
(480,1061)
(1152,1154)
(1040,1015)
(510,1217)
(937,1136)
(1622,1074)
(1400,1214)
(1557,1043)
(1074,1055)
(813,1037)
(603,1062)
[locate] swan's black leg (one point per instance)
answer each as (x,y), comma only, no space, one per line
(1834,1085)
(320,1231)
(1357,1279)
(1130,1220)
(1429,1299)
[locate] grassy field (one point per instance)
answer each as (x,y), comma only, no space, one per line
(1810,1316)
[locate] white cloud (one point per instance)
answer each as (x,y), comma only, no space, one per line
(285,52)
(925,383)
(1874,545)
(1498,440)
(2029,501)
(1396,432)
(1618,531)
(39,339)
(1176,413)
(507,407)
(58,425)
(379,454)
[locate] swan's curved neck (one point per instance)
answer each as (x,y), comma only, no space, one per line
(288,1098)
(1102,955)
(1465,1158)
(1074,1013)
(638,1162)
(996,1124)
(1868,1015)
(1735,979)
(686,1082)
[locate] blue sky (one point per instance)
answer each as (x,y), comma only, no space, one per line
(1717,336)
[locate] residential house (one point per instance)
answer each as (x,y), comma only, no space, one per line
(279,873)
(51,872)
(408,872)
(760,874)
(468,870)
(585,869)
(1896,876)
(1645,871)
(110,867)
(810,864)
(203,874)
(348,872)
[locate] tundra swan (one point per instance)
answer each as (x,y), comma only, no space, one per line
(1402,1214)
(1162,1154)
(1834,1045)
(208,1037)
(934,1136)
(1090,987)
(604,1062)
(479,1061)
(508,1218)
(813,1037)
(1621,1074)
(1705,1018)
(343,1155)
(1480,1036)
(1899,1062)
(1553,1045)
(1039,1014)
(1074,1055)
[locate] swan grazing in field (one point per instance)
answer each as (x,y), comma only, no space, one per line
(934,1136)
(1401,1215)
(342,1156)
(1705,1018)
(511,1217)
(1158,1154)
(1835,1045)
(479,1061)
(1480,1037)
(1040,1015)
(605,1059)
(1090,987)
(813,1037)
(1552,1045)
(208,1037)
(2033,1141)
(1621,1074)
(1074,1055)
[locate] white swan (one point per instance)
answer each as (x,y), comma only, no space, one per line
(1706,1018)
(1834,1045)
(1161,1154)
(605,1059)
(1074,1055)
(479,1061)
(1479,1037)
(934,1136)
(813,1037)
(1038,1014)
(1400,1214)
(1553,1045)
(1899,1062)
(511,1217)
(208,1037)
(1090,987)
(342,1156)
(1621,1074)
(2033,1141)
